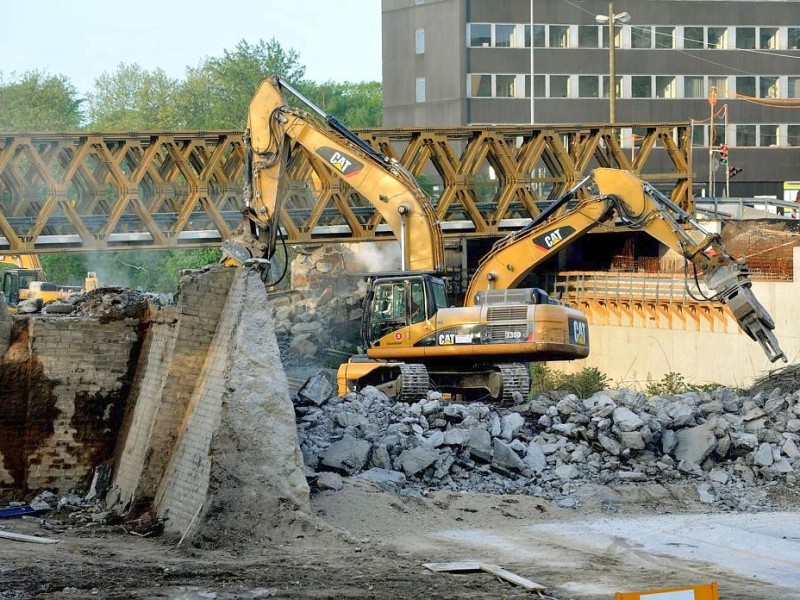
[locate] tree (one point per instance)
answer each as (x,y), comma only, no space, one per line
(223,87)
(354,104)
(132,98)
(36,101)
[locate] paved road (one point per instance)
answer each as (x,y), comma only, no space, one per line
(735,548)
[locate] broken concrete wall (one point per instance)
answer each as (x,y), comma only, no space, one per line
(211,400)
(63,384)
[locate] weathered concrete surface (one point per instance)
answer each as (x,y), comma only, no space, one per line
(210,423)
(649,349)
(63,385)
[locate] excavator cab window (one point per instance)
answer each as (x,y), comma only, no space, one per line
(388,310)
(418,307)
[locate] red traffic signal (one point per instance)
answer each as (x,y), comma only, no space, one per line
(723,154)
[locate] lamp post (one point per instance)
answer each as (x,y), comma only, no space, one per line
(532,63)
(612,20)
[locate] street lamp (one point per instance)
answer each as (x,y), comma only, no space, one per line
(612,20)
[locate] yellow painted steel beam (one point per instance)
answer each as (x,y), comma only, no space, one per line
(101,191)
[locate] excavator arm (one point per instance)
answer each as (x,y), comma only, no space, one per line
(276,131)
(639,206)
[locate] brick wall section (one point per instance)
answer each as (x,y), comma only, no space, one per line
(166,384)
(65,380)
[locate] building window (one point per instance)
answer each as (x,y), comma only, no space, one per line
(505,86)
(419,41)
(504,36)
(769,135)
(693,86)
(793,90)
(480,86)
(559,86)
(641,86)
(419,1)
(480,35)
(768,87)
(665,86)
(538,36)
(641,37)
(717,38)
(746,38)
(794,38)
(793,137)
(420,89)
(717,83)
(768,38)
(559,36)
(539,86)
(606,87)
(693,38)
(617,37)
(588,36)
(745,135)
(588,86)
(698,135)
(665,37)
(746,86)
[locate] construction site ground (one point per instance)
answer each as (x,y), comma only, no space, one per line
(365,542)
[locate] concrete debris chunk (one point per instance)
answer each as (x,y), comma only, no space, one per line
(348,454)
(316,389)
(695,444)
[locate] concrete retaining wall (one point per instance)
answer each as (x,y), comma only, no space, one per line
(635,356)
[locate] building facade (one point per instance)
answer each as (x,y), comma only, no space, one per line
(731,67)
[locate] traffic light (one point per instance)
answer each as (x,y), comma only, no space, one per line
(733,172)
(723,155)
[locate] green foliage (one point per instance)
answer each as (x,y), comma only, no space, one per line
(673,383)
(133,99)
(357,105)
(217,93)
(583,384)
(152,271)
(36,101)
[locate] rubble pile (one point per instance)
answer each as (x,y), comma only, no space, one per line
(321,314)
(107,304)
(729,446)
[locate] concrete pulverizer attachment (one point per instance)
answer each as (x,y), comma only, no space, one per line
(733,286)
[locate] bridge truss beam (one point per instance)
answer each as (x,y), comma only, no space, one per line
(157,190)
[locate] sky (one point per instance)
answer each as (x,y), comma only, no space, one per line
(338,40)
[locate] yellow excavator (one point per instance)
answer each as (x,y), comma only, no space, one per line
(639,207)
(25,280)
(415,340)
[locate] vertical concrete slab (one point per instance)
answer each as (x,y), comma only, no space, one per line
(237,460)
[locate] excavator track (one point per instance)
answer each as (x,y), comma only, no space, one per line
(414,382)
(516,378)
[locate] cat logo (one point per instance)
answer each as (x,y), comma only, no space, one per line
(346,165)
(578,333)
(445,339)
(550,239)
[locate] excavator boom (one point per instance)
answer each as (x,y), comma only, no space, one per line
(276,131)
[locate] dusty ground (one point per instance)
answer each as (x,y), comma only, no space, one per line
(364,542)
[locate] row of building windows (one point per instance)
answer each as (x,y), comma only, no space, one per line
(511,35)
(487,85)
(764,135)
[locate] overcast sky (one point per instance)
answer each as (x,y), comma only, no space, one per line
(337,40)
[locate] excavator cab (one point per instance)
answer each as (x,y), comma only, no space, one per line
(394,302)
(16,283)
